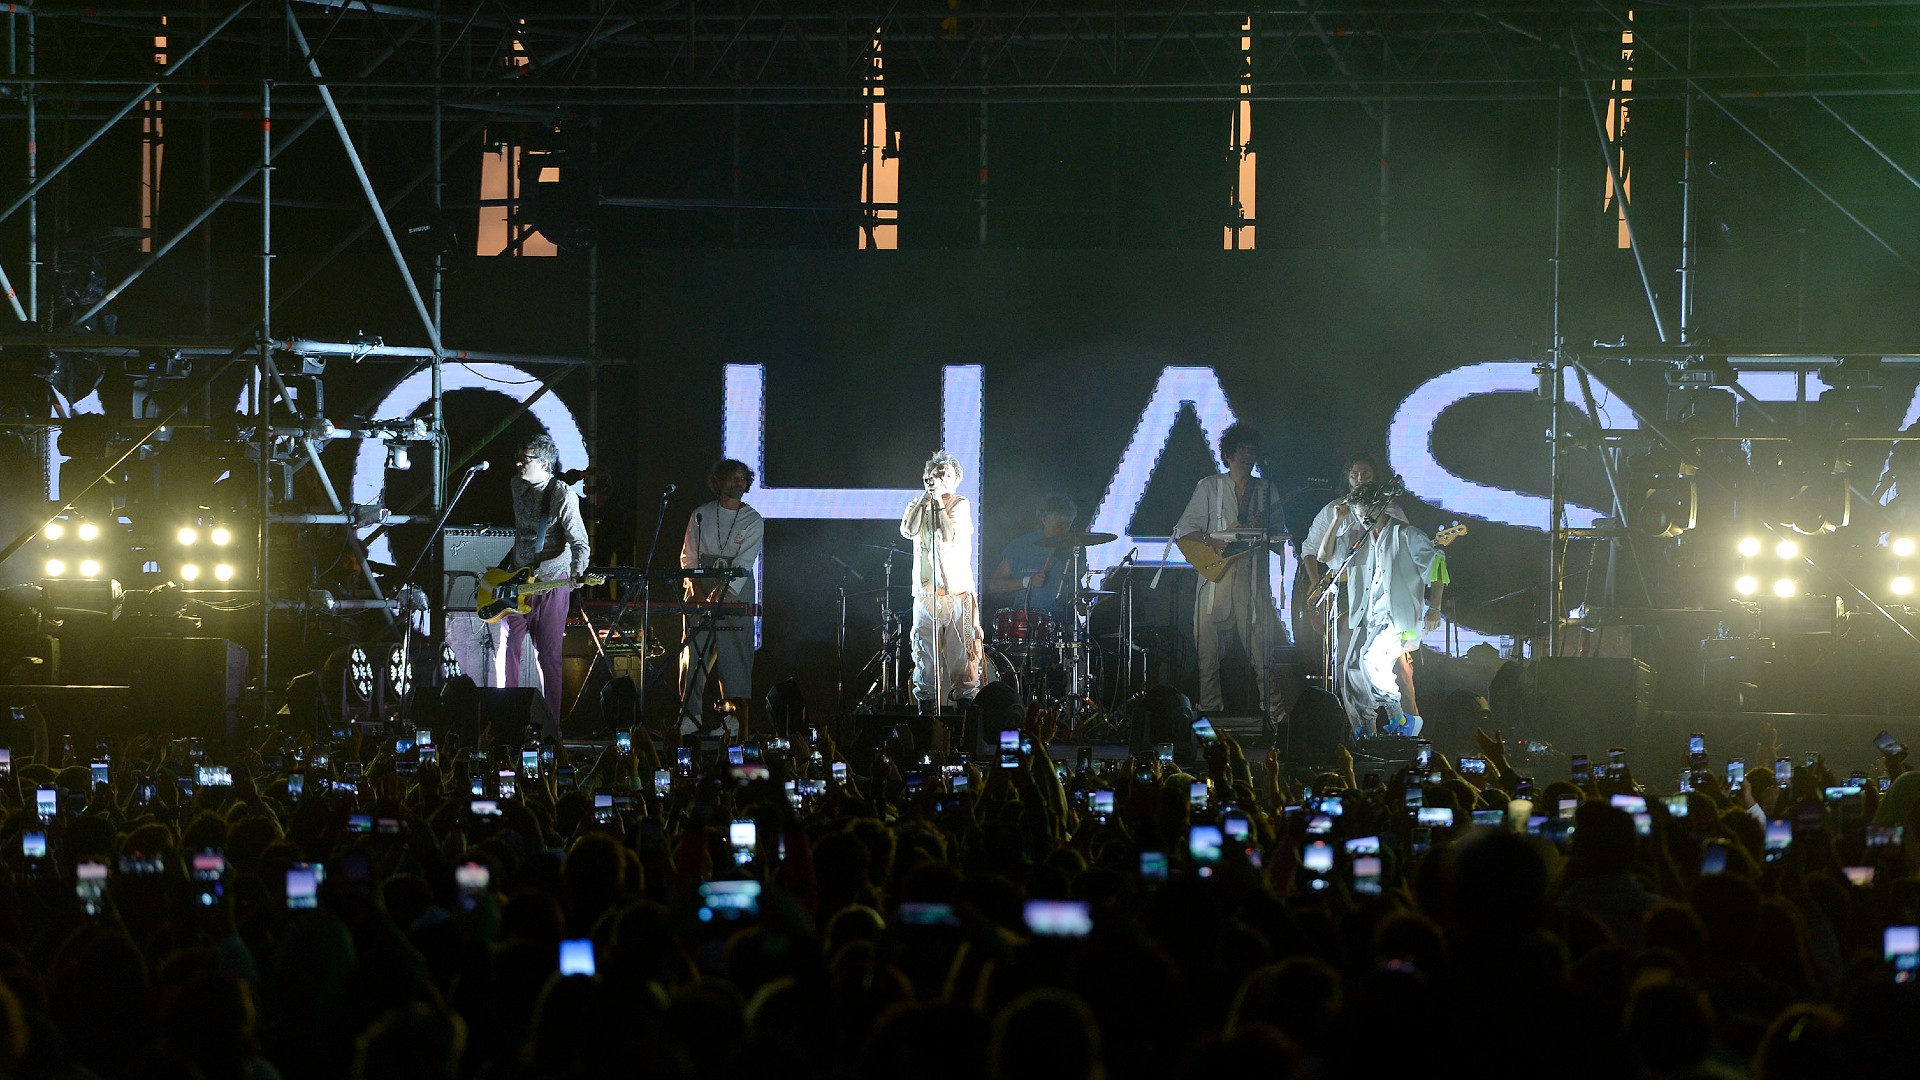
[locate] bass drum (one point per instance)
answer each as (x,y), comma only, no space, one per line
(999,669)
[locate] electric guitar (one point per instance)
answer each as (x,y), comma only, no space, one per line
(503,592)
(1440,539)
(1213,565)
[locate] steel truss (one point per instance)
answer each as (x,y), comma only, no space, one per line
(355,65)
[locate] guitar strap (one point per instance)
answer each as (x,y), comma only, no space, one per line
(546,518)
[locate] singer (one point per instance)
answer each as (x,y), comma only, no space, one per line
(946,614)
(549,535)
(724,532)
(1235,511)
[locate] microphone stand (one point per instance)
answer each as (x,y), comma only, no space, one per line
(646,608)
(406,631)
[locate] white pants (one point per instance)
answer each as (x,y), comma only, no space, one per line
(1368,679)
(946,647)
(1253,634)
(726,653)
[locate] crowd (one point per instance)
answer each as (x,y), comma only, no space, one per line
(405,903)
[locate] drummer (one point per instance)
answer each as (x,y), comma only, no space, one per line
(1033,576)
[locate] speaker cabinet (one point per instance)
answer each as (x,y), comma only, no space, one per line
(187,686)
(1586,704)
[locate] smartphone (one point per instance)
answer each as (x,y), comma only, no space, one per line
(1366,875)
(1889,745)
(6,762)
(662,781)
(1333,806)
(1420,841)
(1582,772)
(1779,837)
(1697,750)
(1009,740)
(1473,766)
(1236,826)
(564,774)
(530,764)
(1567,808)
(839,772)
(1153,867)
(1860,876)
(729,901)
(1713,859)
(474,881)
(1616,761)
(359,823)
(1783,770)
(1204,843)
(1686,780)
(743,835)
(683,759)
(485,811)
(507,781)
(1415,796)
(209,871)
(736,755)
(1203,730)
(1362,845)
(99,769)
(1084,761)
(1058,918)
(90,885)
(1493,819)
(576,957)
(303,888)
(623,742)
(1901,947)
(1166,753)
(1676,806)
(1317,857)
(33,845)
(1436,817)
(1197,794)
(296,785)
(46,800)
(1736,773)
(1422,755)
(1103,802)
(1886,835)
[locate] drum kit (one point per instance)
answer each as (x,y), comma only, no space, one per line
(1041,653)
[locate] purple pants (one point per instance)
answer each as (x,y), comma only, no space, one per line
(546,620)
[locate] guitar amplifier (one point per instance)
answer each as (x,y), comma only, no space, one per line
(466,552)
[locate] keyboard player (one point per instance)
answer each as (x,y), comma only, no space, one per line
(722,533)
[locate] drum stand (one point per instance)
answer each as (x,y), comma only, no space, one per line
(890,683)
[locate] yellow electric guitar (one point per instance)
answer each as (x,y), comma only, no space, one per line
(1213,565)
(503,592)
(1440,539)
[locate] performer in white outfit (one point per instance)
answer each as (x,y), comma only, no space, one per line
(725,532)
(946,613)
(1394,572)
(1241,603)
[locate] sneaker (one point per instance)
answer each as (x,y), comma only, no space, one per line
(1411,724)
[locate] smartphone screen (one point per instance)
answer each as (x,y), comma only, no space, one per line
(1058,918)
(1317,858)
(1581,770)
(303,888)
(743,835)
(1778,838)
(1197,794)
(1153,867)
(33,845)
(1203,730)
(1713,860)
(1901,947)
(1103,801)
(507,781)
(1203,845)
(1366,875)
(1783,770)
(662,781)
(90,885)
(840,772)
(576,957)
(47,801)
(623,741)
(1888,745)
(683,759)
(1736,773)
(1697,751)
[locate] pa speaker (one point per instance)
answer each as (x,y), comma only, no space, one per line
(508,713)
(1585,704)
(187,686)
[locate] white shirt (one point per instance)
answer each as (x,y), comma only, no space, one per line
(1215,508)
(717,537)
(942,546)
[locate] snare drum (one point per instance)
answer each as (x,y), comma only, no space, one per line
(1017,629)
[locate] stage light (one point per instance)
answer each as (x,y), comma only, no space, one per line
(1749,547)
(1746,585)
(1669,506)
(1787,549)
(1902,547)
(398,457)
(223,571)
(188,536)
(220,536)
(89,568)
(89,532)
(1786,587)
(1902,586)
(55,568)
(449,662)
(54,530)
(399,673)
(190,572)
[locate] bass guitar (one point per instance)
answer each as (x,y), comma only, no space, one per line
(507,592)
(1440,539)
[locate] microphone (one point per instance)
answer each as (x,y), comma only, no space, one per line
(1128,561)
(671,488)
(480,466)
(857,575)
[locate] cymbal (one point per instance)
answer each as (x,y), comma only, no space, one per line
(1074,540)
(890,548)
(1098,592)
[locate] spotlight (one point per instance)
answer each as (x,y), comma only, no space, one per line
(449,662)
(1786,587)
(399,671)
(1902,547)
(1746,585)
(1749,547)
(89,532)
(55,568)
(1787,549)
(220,536)
(1901,586)
(54,530)
(89,568)
(190,572)
(188,535)
(223,571)
(1669,506)
(398,457)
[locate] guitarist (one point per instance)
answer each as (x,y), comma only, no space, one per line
(1396,573)
(721,534)
(548,535)
(1240,603)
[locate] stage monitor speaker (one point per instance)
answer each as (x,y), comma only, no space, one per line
(916,734)
(508,712)
(466,552)
(1586,704)
(187,686)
